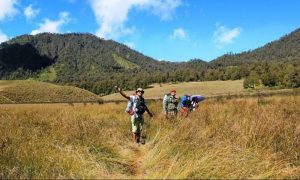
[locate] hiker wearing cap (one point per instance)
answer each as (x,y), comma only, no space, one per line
(186,105)
(170,104)
(136,108)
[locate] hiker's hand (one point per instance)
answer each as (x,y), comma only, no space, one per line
(118,88)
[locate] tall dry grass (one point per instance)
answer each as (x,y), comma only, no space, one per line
(54,141)
(30,91)
(237,138)
(241,138)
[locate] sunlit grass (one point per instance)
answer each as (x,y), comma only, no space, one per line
(237,138)
(30,91)
(207,88)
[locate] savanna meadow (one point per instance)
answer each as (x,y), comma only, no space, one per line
(149,89)
(227,137)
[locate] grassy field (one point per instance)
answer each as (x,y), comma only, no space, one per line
(207,88)
(25,91)
(226,138)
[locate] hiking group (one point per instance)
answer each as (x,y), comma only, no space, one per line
(188,104)
(136,107)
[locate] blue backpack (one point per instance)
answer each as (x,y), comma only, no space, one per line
(185,101)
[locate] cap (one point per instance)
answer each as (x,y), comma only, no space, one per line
(140,89)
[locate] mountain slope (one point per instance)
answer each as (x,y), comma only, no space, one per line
(95,64)
(286,48)
(83,60)
(78,52)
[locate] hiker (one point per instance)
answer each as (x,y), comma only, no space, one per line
(195,100)
(135,108)
(186,105)
(170,104)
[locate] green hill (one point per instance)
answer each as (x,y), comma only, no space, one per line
(287,48)
(30,91)
(95,64)
(84,60)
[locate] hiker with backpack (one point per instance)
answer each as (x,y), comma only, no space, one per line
(170,104)
(136,107)
(186,105)
(195,100)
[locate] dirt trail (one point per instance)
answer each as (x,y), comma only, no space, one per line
(138,156)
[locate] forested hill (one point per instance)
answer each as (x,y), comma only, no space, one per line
(95,64)
(86,61)
(286,48)
(76,53)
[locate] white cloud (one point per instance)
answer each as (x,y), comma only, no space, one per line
(111,15)
(30,13)
(3,37)
(130,44)
(223,35)
(53,26)
(164,8)
(179,34)
(7,8)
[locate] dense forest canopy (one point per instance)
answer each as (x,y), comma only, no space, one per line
(89,62)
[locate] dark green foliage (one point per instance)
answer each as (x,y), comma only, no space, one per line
(252,80)
(292,79)
(286,48)
(19,60)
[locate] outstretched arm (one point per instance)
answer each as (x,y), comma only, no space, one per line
(122,93)
(148,111)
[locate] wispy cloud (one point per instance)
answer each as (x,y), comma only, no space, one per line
(3,37)
(30,12)
(223,35)
(130,44)
(164,8)
(8,8)
(111,15)
(179,33)
(53,26)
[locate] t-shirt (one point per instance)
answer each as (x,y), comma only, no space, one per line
(131,105)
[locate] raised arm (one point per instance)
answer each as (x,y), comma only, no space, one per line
(122,93)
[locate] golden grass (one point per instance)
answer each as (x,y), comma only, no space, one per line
(24,91)
(242,138)
(237,138)
(4,84)
(207,88)
(63,141)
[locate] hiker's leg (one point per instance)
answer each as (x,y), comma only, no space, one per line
(184,111)
(133,137)
(134,128)
(138,136)
(139,124)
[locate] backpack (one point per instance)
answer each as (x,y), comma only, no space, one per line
(166,97)
(140,106)
(185,101)
(197,98)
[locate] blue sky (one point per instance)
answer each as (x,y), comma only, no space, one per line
(174,30)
